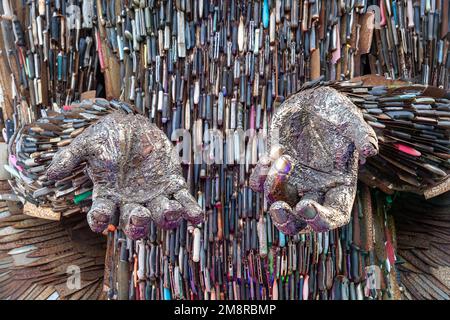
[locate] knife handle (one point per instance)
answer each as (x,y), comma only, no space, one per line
(383,14)
(18,34)
(410,14)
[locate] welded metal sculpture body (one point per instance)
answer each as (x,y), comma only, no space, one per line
(316,138)
(135,171)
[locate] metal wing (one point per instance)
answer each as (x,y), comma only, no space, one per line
(42,259)
(423,243)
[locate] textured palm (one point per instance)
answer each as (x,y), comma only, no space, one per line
(309,178)
(135,172)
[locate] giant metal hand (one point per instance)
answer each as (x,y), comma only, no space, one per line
(135,172)
(310,174)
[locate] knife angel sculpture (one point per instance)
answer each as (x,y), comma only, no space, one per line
(135,173)
(325,133)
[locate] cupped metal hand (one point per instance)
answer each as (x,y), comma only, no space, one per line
(309,175)
(135,172)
